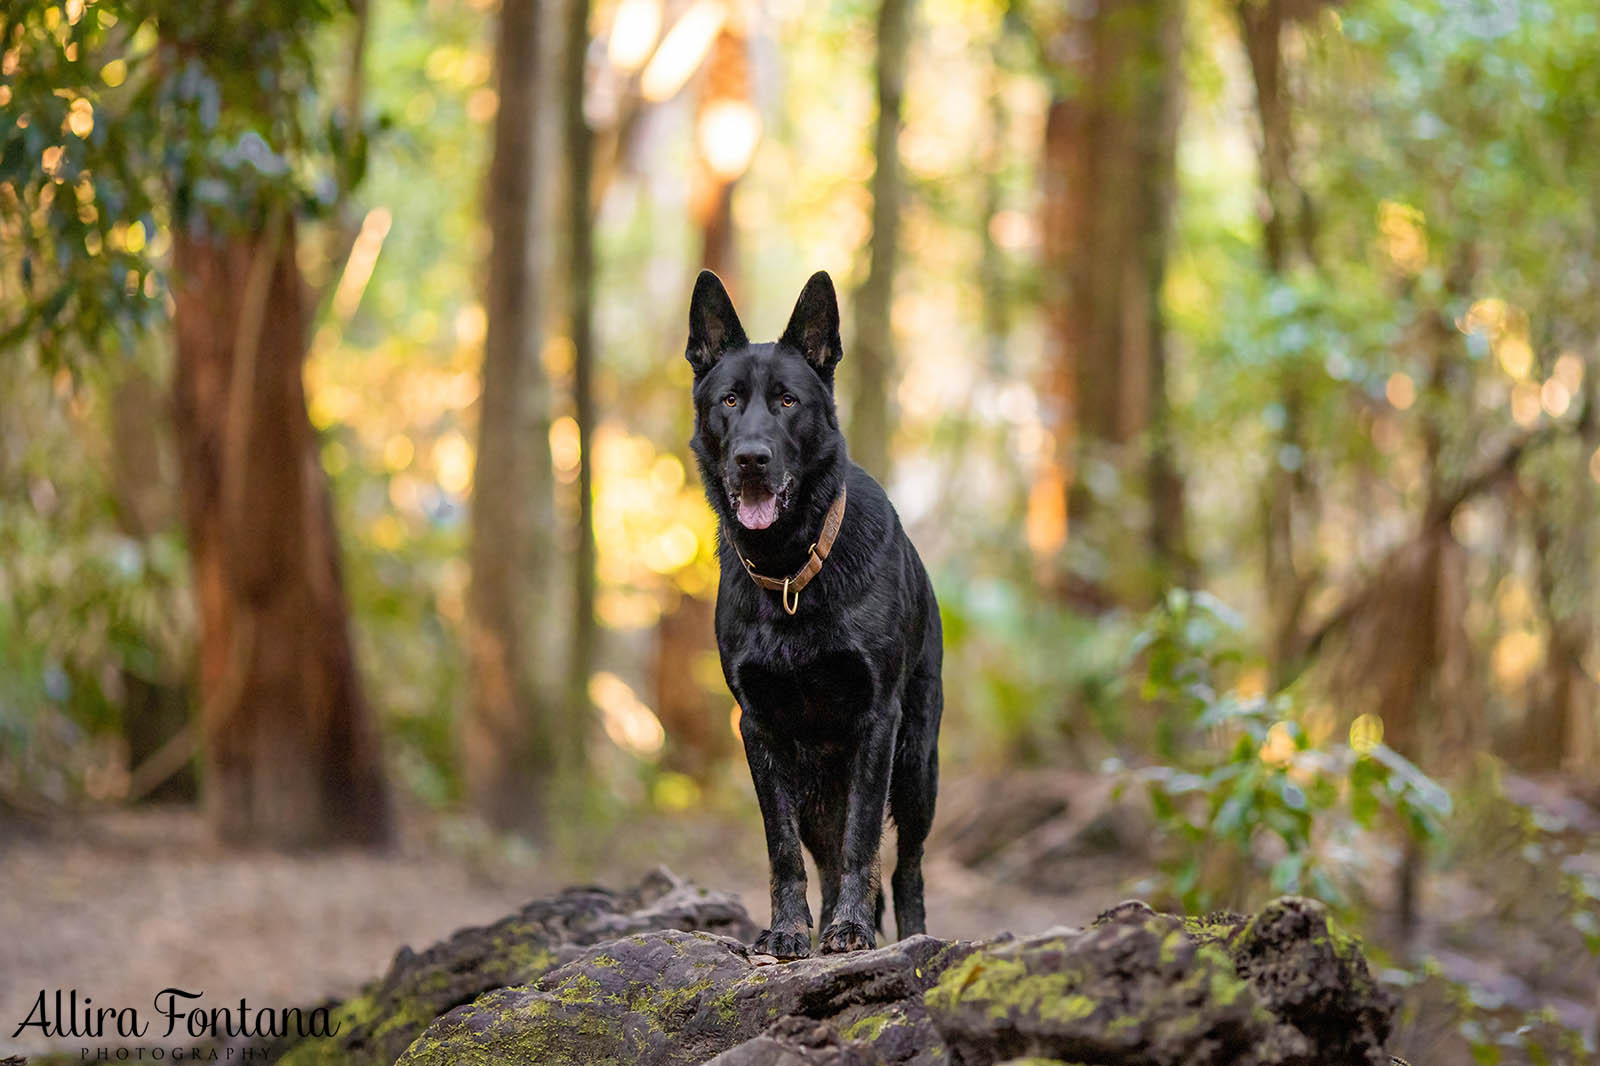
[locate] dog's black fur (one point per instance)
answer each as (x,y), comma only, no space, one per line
(841,700)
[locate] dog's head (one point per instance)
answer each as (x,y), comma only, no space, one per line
(764,413)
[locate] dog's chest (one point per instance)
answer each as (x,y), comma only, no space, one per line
(811,693)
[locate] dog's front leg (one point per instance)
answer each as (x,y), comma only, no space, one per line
(789,937)
(852,925)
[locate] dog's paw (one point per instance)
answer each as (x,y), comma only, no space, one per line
(783,945)
(846,936)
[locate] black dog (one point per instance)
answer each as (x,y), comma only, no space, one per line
(836,667)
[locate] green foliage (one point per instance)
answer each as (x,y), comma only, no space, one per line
(126,118)
(84,603)
(1533,857)
(1256,800)
(1461,1020)
(399,370)
(1027,676)
(73,179)
(1248,802)
(1538,867)
(1447,156)
(120,123)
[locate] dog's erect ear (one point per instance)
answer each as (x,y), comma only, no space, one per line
(713,326)
(814,327)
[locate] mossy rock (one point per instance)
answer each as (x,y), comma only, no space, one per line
(680,999)
(376,1026)
(1312,975)
(1139,987)
(584,980)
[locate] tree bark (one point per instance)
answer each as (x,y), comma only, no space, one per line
(578,140)
(693,718)
(993,284)
(1561,723)
(507,740)
(719,247)
(291,748)
(872,359)
(726,77)
(1108,176)
(695,721)
(1287,225)
(156,701)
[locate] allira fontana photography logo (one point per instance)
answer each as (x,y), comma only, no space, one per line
(175,1014)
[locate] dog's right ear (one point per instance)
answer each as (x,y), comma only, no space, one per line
(713,326)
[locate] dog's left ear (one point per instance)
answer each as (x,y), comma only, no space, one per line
(814,326)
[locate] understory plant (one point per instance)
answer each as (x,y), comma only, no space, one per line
(1256,794)
(1259,794)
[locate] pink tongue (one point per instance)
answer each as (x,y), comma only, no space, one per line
(757,514)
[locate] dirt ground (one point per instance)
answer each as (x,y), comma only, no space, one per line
(120,905)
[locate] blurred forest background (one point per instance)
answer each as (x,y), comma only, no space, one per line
(1233,364)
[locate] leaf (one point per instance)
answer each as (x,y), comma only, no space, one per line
(1285,874)
(1427,791)
(1232,815)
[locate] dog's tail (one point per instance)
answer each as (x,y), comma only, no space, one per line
(878,905)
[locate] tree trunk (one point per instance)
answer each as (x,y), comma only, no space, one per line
(578,142)
(507,741)
(1287,226)
(693,718)
(291,748)
(726,77)
(1108,177)
(156,719)
(719,249)
(1408,653)
(993,285)
(1561,724)
(872,358)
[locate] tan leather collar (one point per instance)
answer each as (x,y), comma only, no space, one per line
(790,586)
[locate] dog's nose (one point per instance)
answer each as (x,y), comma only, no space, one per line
(752,457)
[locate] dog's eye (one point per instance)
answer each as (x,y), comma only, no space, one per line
(789,401)
(731,400)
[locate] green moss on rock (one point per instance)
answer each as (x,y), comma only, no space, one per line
(391,1013)
(1283,986)
(867,1027)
